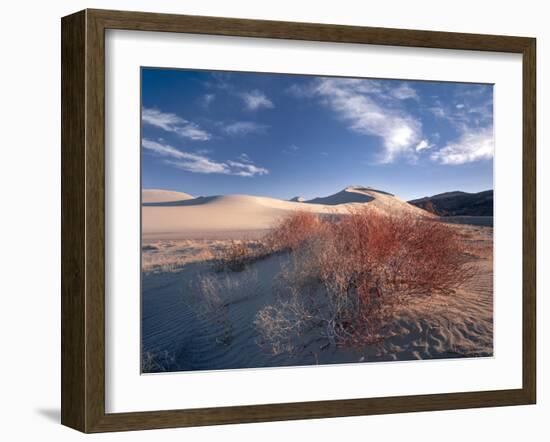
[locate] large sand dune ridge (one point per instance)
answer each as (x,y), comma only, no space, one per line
(162,196)
(190,217)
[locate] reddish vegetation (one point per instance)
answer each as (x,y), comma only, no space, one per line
(367,265)
(378,262)
(288,235)
(293,231)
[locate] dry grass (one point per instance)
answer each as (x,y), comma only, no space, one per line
(236,255)
(156,362)
(210,295)
(348,278)
(173,256)
(288,235)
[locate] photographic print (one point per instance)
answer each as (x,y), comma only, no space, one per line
(301,220)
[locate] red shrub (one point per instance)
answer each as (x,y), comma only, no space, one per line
(292,231)
(379,262)
(368,264)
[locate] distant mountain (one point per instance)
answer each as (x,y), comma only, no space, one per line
(297,199)
(458,203)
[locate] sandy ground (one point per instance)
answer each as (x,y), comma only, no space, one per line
(452,326)
(195,318)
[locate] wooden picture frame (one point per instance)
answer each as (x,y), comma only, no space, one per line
(83,220)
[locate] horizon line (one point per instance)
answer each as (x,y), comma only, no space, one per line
(317,196)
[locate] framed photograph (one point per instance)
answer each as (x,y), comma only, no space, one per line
(269,220)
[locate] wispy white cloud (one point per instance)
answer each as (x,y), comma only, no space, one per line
(220,81)
(246,169)
(472,110)
(200,163)
(291,150)
(171,122)
(244,128)
(373,107)
(193,162)
(256,99)
(473,145)
(471,115)
(424,144)
(162,149)
(253,99)
(404,92)
(207,99)
(438,110)
(298,91)
(356,103)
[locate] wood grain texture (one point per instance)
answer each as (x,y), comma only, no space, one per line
(529,220)
(144,21)
(83,220)
(73,254)
(95,222)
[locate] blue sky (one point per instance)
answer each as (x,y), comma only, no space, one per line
(211,133)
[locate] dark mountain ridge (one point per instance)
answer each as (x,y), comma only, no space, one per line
(457,203)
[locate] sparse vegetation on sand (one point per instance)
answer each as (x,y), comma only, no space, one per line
(157,362)
(320,288)
(288,235)
(346,279)
(237,254)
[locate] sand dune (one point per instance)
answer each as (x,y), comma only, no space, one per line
(229,213)
(162,196)
(179,217)
(351,194)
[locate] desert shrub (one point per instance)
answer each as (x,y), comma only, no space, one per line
(210,292)
(236,256)
(157,361)
(287,235)
(349,278)
(292,231)
(211,295)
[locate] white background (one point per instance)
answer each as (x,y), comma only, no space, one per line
(30,258)
(128,391)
